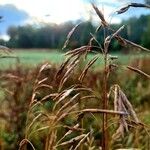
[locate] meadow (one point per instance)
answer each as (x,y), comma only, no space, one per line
(21,78)
(33,57)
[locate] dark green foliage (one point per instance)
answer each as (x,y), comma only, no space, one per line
(145,37)
(147,1)
(45,36)
(135,27)
(54,36)
(2,42)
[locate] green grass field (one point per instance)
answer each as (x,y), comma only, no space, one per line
(31,58)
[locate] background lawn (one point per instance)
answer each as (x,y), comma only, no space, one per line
(31,58)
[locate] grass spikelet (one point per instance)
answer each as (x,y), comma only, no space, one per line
(39,130)
(110,37)
(81,141)
(89,64)
(73,128)
(139,71)
(121,103)
(77,50)
(136,45)
(33,98)
(112,112)
(101,16)
(41,81)
(69,36)
(48,96)
(63,96)
(98,28)
(125,8)
(94,39)
(119,133)
(71,148)
(67,112)
(43,67)
(77,138)
(44,86)
(68,73)
(23,143)
(31,124)
(121,41)
(84,90)
(66,104)
(116,97)
(11,77)
(63,81)
(69,132)
(117,32)
(124,42)
(129,106)
(62,67)
(139,5)
(89,97)
(74,61)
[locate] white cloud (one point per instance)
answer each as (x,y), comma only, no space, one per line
(5,37)
(58,10)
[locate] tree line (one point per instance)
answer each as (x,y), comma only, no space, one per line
(54,36)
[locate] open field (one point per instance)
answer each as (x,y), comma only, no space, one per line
(31,58)
(19,120)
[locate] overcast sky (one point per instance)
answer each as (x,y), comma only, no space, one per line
(58,11)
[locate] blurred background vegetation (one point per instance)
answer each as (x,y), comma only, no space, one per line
(53,36)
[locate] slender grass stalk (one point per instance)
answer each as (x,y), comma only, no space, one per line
(105,138)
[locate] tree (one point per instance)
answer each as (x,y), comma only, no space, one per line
(2,42)
(13,34)
(145,37)
(147,1)
(54,36)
